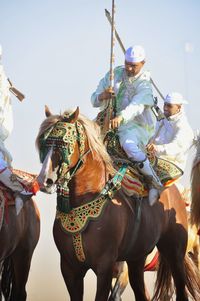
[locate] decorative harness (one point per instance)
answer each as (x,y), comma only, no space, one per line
(63,136)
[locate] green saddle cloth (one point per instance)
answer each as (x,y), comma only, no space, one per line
(166,170)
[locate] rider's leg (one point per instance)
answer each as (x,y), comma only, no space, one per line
(135,154)
(10,181)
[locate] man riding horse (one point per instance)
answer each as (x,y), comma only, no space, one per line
(173,136)
(6,126)
(134,118)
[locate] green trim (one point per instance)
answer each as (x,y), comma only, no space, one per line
(80,216)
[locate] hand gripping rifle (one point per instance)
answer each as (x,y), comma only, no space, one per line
(156,110)
(16,92)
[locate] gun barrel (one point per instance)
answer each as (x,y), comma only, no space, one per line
(107,13)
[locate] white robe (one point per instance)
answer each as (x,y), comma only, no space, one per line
(6,118)
(174,139)
(134,99)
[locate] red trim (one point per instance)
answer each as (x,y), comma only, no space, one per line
(152,265)
(132,182)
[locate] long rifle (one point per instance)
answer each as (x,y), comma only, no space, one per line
(156,110)
(110,110)
(124,50)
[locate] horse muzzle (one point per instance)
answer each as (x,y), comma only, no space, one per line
(47,186)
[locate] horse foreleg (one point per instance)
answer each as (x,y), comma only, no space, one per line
(73,277)
(21,261)
(104,279)
(136,278)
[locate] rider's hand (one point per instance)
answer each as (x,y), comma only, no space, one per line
(115,122)
(106,94)
(151,148)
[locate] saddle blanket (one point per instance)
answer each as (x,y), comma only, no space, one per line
(28,181)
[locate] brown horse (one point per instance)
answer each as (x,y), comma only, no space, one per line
(114,227)
(19,235)
(120,279)
(195,185)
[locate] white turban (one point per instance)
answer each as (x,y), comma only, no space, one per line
(175,98)
(135,54)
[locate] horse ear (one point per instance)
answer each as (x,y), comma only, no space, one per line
(47,111)
(71,118)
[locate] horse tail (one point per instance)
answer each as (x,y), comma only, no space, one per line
(164,288)
(192,278)
(7,278)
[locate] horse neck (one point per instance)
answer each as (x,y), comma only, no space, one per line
(88,182)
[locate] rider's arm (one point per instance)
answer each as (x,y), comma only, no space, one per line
(102,86)
(180,142)
(142,98)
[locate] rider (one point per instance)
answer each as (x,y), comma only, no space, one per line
(6,125)
(173,136)
(134,118)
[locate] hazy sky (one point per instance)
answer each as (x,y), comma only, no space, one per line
(55,52)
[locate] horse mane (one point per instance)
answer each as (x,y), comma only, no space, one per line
(195,184)
(92,131)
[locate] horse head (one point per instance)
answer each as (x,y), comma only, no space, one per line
(61,144)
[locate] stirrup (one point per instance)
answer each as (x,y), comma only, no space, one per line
(153,195)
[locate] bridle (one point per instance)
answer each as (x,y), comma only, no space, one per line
(63,137)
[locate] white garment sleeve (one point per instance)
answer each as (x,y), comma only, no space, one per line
(131,111)
(4,93)
(103,84)
(180,143)
(142,98)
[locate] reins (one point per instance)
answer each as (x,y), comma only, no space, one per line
(74,169)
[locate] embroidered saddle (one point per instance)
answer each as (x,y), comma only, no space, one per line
(134,182)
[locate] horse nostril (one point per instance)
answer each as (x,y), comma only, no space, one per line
(49,182)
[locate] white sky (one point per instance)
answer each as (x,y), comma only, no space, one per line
(56,51)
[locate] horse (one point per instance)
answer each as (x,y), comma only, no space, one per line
(97,225)
(121,280)
(120,277)
(195,185)
(19,234)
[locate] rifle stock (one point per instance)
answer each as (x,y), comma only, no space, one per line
(16,92)
(110,113)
